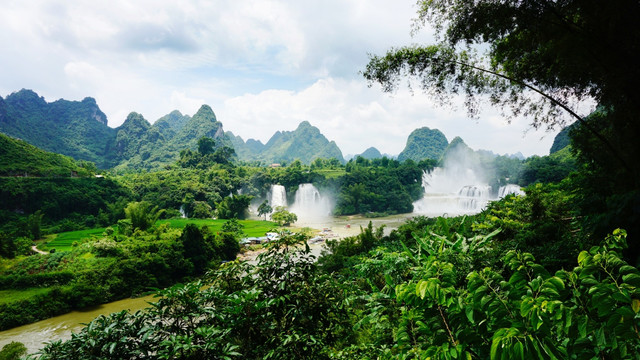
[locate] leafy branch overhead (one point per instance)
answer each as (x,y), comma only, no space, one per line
(539,59)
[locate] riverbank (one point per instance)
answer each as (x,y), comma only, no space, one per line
(34,335)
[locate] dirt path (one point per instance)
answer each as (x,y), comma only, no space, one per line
(34,248)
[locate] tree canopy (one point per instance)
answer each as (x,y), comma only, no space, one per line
(540,59)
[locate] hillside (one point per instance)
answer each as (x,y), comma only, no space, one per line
(562,139)
(305,143)
(79,129)
(73,128)
(371,153)
(18,158)
(424,143)
(140,145)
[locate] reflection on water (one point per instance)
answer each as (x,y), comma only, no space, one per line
(33,336)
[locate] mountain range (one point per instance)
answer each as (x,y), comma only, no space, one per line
(79,129)
(305,143)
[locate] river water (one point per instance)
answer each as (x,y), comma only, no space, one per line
(34,335)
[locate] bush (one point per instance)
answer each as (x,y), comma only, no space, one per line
(13,351)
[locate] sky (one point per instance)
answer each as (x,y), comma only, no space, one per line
(262,65)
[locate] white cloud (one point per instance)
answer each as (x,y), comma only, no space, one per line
(263,65)
(357,117)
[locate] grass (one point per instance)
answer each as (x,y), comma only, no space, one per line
(63,241)
(251,227)
(331,173)
(10,296)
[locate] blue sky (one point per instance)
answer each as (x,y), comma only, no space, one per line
(262,65)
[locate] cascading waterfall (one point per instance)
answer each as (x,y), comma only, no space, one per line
(277,196)
(509,189)
(474,197)
(447,192)
(310,204)
(183,214)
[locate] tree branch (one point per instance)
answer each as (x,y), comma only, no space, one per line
(604,140)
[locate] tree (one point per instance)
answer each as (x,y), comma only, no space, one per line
(233,206)
(142,215)
(33,221)
(206,145)
(541,58)
(195,248)
(264,209)
(234,227)
(283,217)
(13,351)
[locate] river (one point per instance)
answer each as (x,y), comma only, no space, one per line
(34,335)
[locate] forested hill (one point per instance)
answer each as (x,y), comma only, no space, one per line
(371,153)
(18,158)
(305,143)
(424,143)
(79,129)
(140,145)
(73,128)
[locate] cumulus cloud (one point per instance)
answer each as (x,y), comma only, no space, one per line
(357,117)
(263,65)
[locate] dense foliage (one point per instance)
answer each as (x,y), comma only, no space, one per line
(65,203)
(305,144)
(118,264)
(440,295)
(424,143)
(18,158)
(380,186)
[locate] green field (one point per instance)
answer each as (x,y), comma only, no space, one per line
(331,173)
(251,227)
(9,296)
(63,241)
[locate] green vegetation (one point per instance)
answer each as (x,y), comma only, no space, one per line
(249,227)
(449,293)
(306,144)
(15,295)
(18,158)
(283,217)
(380,186)
(13,351)
(109,264)
(64,241)
(424,143)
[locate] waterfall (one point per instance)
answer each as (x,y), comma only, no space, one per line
(277,196)
(509,189)
(182,212)
(310,204)
(448,192)
(474,197)
(307,196)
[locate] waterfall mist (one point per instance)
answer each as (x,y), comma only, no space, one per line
(460,186)
(310,205)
